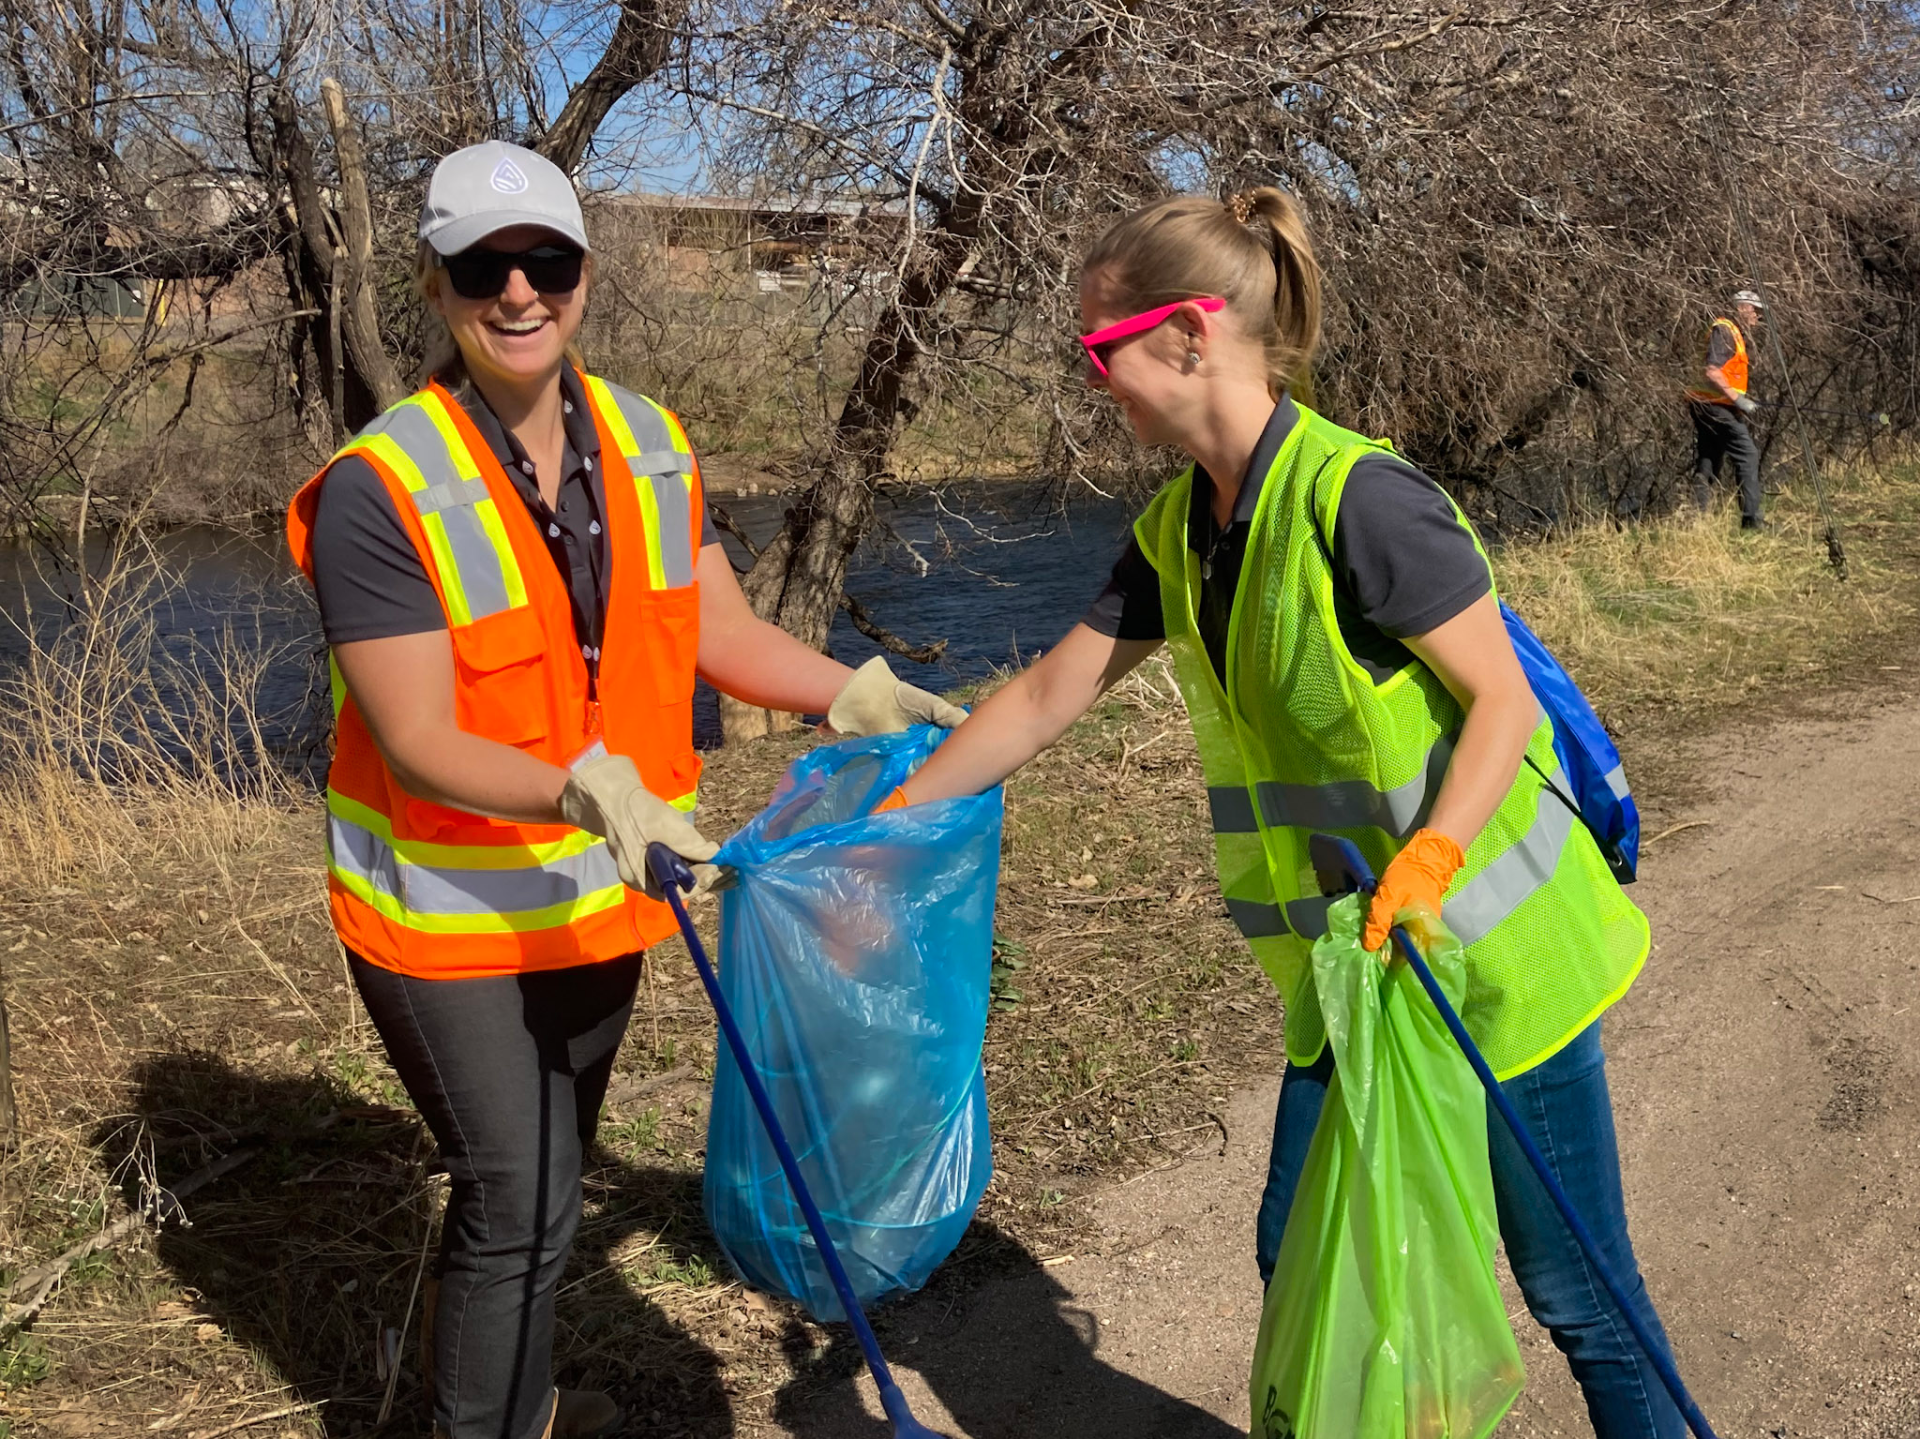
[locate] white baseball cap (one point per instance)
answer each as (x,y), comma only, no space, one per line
(494,186)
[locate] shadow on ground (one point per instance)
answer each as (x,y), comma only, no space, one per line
(998,1342)
(308,1253)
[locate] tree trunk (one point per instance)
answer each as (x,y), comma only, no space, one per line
(359,323)
(312,241)
(799,578)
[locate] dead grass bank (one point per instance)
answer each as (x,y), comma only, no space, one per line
(177,997)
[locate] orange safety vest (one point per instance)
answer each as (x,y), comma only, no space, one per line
(442,894)
(1735,369)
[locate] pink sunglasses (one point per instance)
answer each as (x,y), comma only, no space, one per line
(1137,324)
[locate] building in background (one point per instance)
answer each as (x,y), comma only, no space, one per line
(784,242)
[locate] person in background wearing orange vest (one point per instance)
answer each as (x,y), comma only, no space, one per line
(519,584)
(1720,409)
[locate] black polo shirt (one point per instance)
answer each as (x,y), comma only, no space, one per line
(1402,563)
(370,580)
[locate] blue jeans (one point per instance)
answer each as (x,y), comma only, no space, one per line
(1565,1107)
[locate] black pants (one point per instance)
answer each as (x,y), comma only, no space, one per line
(1720,433)
(509,1074)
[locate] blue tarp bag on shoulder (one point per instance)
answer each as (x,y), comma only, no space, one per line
(856,952)
(1600,794)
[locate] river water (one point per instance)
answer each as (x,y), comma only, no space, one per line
(999,571)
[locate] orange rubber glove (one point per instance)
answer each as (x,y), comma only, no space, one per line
(1417,878)
(896,800)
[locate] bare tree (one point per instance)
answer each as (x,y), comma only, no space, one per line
(156,144)
(1528,214)
(1003,131)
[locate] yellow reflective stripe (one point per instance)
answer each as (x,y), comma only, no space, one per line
(486,511)
(675,433)
(553,916)
(384,448)
(336,685)
(682,542)
(616,422)
(459,856)
(630,449)
(435,410)
(687,802)
(650,522)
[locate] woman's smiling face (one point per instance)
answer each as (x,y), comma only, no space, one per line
(520,336)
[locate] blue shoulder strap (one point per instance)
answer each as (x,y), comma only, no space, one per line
(1601,796)
(1588,758)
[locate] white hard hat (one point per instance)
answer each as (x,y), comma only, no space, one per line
(1749,297)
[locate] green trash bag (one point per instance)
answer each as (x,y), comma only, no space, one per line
(1384,1319)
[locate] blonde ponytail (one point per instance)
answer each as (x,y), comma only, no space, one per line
(1251,249)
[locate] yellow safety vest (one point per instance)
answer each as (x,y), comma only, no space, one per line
(1302,740)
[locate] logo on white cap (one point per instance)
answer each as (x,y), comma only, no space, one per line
(508,179)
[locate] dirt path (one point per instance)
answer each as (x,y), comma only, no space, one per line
(1764,1072)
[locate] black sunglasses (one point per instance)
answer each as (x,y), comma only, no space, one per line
(482,274)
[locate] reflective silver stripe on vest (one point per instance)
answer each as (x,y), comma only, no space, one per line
(665,470)
(671,498)
(431,890)
(658,462)
(451,496)
(437,499)
(1499,889)
(1308,916)
(1343,804)
(1617,782)
(1256,920)
(1232,809)
(1356,804)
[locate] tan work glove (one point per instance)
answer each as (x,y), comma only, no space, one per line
(605,796)
(874,702)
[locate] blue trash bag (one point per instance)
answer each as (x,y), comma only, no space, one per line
(856,953)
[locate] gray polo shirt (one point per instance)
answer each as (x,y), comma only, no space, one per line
(1402,562)
(370,580)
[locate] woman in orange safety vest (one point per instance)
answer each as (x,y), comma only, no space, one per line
(519,584)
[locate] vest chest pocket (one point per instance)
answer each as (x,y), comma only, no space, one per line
(670,638)
(501,691)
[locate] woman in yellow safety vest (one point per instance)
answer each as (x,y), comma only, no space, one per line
(1333,623)
(519,584)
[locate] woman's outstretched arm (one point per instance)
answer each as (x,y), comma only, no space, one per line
(1029,713)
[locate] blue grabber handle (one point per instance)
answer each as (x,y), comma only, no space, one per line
(673,875)
(1341,869)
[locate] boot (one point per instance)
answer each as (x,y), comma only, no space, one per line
(582,1414)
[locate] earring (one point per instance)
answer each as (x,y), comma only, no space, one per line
(1193,359)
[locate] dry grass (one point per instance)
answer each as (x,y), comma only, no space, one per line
(1688,615)
(177,994)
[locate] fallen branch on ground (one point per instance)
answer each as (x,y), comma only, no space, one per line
(38,1285)
(630,1089)
(1674,829)
(285,1413)
(29,1294)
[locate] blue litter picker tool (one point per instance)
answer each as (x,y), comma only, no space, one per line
(672,874)
(1341,868)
